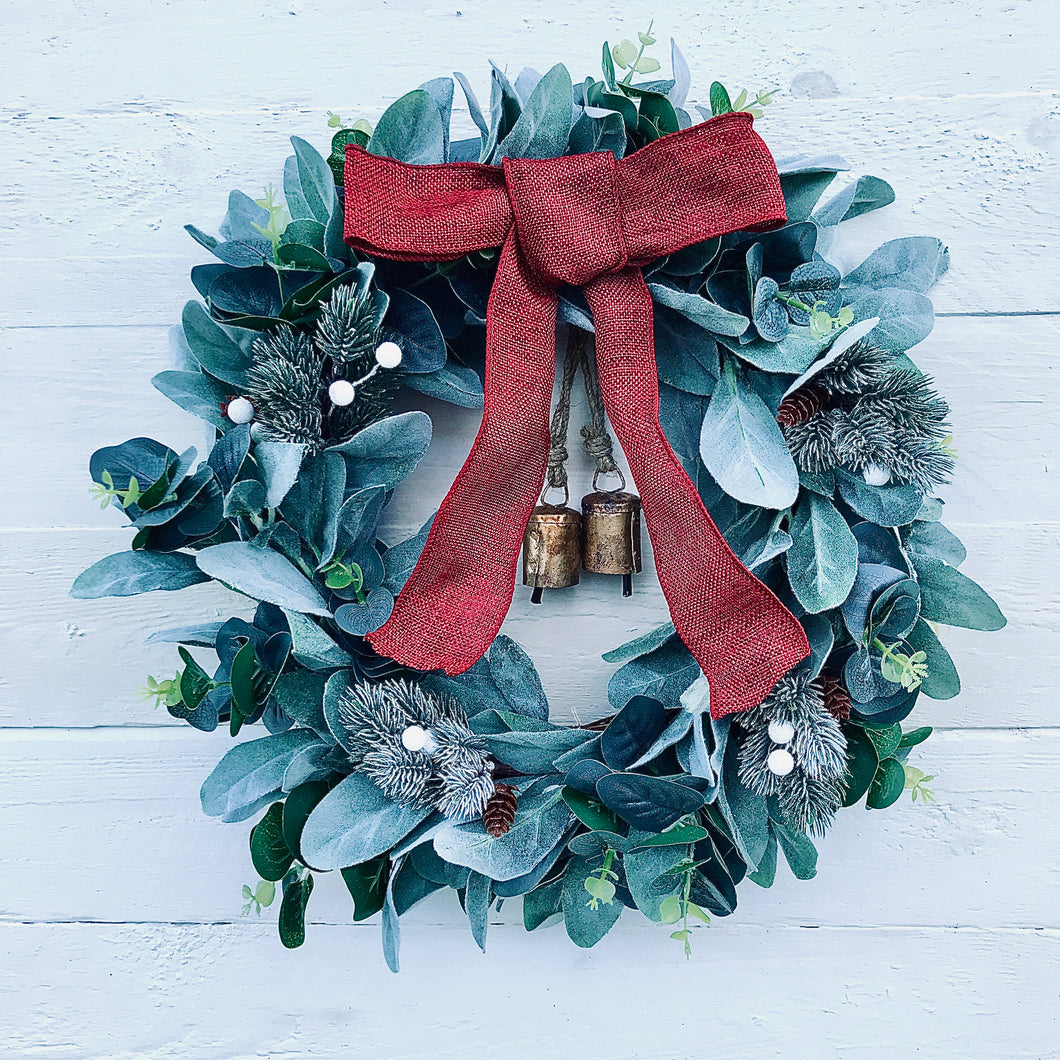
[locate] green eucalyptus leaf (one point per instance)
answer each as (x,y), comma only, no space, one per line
(591,812)
(299,804)
(648,803)
(543,903)
(291,923)
(887,785)
(862,763)
(268,850)
(367,884)
(942,680)
(720,103)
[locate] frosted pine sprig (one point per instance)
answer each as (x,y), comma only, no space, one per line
(444,764)
(810,794)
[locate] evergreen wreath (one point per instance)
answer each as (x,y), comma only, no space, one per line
(788,394)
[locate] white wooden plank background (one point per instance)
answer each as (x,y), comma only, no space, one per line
(929,931)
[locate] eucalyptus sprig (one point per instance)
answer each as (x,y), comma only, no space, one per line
(107,493)
(629,57)
(279,218)
(822,323)
(601,885)
(677,907)
(916,781)
(908,671)
(339,575)
(164,693)
(260,898)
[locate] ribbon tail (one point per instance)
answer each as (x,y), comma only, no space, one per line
(459,592)
(741,635)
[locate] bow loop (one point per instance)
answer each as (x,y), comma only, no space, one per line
(568,218)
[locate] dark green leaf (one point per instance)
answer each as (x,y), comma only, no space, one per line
(367,886)
(632,731)
(291,923)
(590,811)
(648,803)
(887,785)
(270,854)
(719,99)
(862,763)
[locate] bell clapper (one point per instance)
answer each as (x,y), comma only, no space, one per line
(627,584)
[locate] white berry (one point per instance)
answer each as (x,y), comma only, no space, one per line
(780,762)
(414,738)
(781,731)
(388,355)
(341,392)
(240,410)
(876,475)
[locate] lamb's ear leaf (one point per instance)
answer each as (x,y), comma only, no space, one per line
(129,573)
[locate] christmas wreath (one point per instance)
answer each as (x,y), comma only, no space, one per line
(407,744)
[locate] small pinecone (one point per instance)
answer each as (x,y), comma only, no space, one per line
(799,407)
(500,810)
(836,697)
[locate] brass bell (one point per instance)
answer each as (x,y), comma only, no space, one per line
(551,549)
(611,535)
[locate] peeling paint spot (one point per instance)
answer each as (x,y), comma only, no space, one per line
(813,84)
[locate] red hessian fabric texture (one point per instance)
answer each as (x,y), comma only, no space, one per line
(590,221)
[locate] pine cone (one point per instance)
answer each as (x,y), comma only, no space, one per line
(500,810)
(836,697)
(799,407)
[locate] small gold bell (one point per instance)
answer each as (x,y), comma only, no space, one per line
(551,549)
(611,535)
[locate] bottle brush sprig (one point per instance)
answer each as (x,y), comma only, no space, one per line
(417,748)
(795,749)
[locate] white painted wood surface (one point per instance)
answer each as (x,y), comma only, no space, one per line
(929,931)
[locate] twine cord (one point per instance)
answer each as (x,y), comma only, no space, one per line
(596,438)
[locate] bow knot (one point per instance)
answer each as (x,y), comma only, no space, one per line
(568,219)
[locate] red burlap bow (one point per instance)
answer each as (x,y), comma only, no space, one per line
(590,221)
